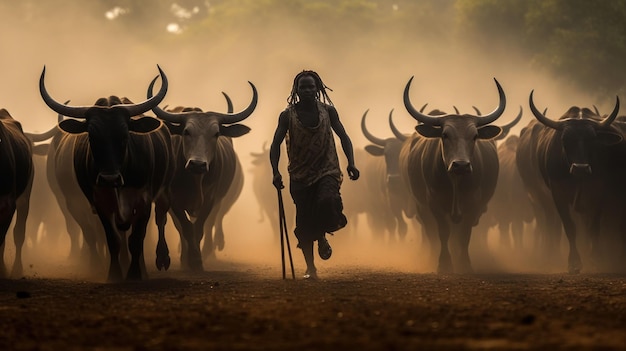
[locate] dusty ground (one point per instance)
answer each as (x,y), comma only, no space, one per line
(249,307)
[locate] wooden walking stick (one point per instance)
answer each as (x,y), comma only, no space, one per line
(284,236)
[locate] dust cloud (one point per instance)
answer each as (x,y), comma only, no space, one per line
(88,55)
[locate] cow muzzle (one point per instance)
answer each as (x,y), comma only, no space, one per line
(197,166)
(114,180)
(460,167)
(580,169)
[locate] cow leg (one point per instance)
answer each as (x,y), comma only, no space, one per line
(91,230)
(19,232)
(193,257)
(594,235)
(445,261)
(517,230)
(505,239)
(464,234)
(402,226)
(124,253)
(135,242)
(5,222)
(160,217)
(182,243)
(574,262)
(113,243)
(208,230)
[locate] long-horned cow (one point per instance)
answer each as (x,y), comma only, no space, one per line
(206,169)
(16,172)
(565,166)
(122,165)
(389,192)
(451,167)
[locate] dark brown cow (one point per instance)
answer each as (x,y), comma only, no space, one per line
(122,165)
(452,169)
(564,166)
(207,170)
(16,172)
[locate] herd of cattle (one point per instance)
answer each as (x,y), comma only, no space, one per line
(109,164)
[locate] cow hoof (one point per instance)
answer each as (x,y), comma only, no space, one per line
(163,263)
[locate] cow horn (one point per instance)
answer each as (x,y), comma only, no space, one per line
(229,103)
(595,108)
(507,127)
(607,121)
(541,117)
(456,110)
(46,135)
(419,116)
(43,136)
(162,114)
(371,138)
(76,112)
(79,112)
(423,107)
(478,113)
(151,102)
(498,111)
(238,117)
(395,130)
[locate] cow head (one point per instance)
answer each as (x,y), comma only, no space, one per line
(457,133)
(108,124)
(581,131)
(201,130)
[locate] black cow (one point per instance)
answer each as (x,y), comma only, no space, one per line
(451,167)
(122,165)
(564,166)
(16,172)
(207,170)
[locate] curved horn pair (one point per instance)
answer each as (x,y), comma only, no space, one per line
(559,124)
(436,121)
(226,118)
(80,111)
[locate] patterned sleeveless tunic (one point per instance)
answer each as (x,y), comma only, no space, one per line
(311,150)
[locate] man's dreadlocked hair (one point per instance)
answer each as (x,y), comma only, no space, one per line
(321,88)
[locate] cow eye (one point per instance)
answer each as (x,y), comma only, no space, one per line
(186,132)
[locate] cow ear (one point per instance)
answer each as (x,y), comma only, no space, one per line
(428,131)
(73,126)
(234,130)
(144,124)
(489,132)
(374,150)
(609,137)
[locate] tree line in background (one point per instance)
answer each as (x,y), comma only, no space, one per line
(581,41)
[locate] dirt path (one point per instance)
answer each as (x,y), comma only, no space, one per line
(250,308)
